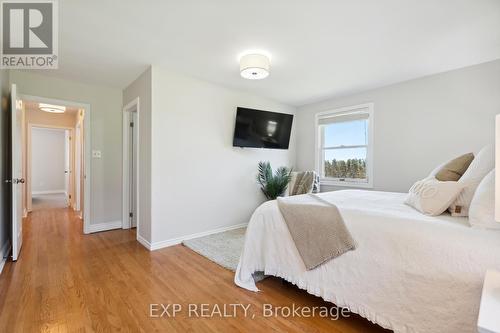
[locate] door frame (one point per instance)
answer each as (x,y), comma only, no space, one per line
(29,159)
(78,165)
(87,171)
(133,106)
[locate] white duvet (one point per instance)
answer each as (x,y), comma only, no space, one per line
(409,272)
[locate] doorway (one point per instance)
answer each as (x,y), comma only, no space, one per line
(130,200)
(50,158)
(27,111)
(67,121)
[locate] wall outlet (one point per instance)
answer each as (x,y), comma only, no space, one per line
(96,154)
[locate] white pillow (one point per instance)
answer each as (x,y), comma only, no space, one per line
(432,197)
(482,164)
(482,207)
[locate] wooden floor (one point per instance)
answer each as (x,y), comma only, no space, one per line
(65,281)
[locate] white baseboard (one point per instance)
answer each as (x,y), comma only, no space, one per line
(104,227)
(144,242)
(170,242)
(48,192)
(4,255)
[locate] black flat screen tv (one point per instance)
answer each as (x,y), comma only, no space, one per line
(262,129)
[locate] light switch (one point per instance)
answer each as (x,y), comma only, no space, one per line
(96,153)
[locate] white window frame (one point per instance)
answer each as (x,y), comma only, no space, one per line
(367,108)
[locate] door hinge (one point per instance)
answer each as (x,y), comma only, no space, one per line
(69,196)
(131,124)
(131,214)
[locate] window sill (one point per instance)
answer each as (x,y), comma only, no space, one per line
(329,182)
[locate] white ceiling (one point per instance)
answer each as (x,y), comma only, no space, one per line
(319,49)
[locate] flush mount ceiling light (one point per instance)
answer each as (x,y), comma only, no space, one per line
(51,108)
(254,66)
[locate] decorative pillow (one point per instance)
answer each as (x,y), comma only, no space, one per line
(454,169)
(436,170)
(432,197)
(482,164)
(303,182)
(482,207)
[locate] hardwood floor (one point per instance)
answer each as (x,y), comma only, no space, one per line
(65,281)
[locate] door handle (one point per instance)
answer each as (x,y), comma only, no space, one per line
(15,181)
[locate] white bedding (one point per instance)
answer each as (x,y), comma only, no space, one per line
(409,273)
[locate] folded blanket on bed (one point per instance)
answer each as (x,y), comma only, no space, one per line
(317,228)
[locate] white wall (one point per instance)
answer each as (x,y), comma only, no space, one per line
(105,131)
(141,88)
(48,158)
(4,158)
(418,123)
(199,181)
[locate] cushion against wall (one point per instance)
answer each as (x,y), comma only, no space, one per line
(482,164)
(482,207)
(432,197)
(313,187)
(436,170)
(454,169)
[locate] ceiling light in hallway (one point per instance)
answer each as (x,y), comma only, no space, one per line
(51,108)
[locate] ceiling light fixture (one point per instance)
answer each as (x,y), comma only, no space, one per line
(254,66)
(51,108)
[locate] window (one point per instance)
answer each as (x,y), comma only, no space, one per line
(344,146)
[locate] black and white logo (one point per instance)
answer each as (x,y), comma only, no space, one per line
(29,34)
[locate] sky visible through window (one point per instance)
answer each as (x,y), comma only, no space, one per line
(350,133)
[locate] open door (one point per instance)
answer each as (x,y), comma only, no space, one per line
(67,167)
(17,179)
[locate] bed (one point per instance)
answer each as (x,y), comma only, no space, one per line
(409,273)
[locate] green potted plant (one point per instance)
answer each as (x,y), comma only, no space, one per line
(273,185)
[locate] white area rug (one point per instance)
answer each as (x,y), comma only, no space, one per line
(223,248)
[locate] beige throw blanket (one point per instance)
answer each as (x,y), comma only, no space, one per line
(317,228)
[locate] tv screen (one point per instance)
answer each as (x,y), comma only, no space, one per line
(262,129)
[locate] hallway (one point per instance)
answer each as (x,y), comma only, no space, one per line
(65,281)
(49,201)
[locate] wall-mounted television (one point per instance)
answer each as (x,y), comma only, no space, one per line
(262,129)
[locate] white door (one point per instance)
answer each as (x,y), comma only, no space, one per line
(67,166)
(78,153)
(17,179)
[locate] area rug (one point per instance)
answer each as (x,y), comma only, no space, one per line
(223,248)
